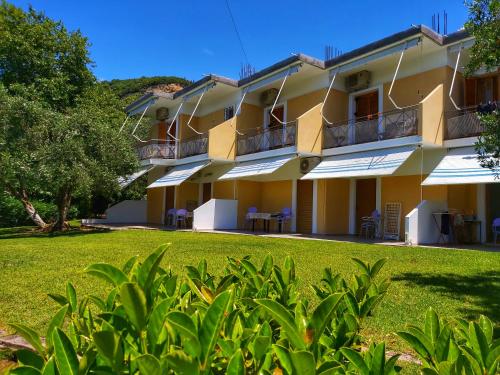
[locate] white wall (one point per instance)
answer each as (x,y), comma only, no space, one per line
(216,214)
(420,227)
(127,212)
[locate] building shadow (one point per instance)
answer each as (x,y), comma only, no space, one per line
(482,289)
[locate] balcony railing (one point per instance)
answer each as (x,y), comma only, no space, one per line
(387,125)
(196,145)
(157,150)
(264,139)
(466,122)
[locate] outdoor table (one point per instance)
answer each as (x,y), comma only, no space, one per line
(264,216)
(476,222)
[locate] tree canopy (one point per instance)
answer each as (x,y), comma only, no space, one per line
(58,126)
(484,25)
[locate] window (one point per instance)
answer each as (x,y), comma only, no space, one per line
(228,113)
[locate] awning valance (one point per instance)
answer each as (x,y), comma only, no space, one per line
(127,180)
(257,167)
(380,162)
(178,174)
(460,166)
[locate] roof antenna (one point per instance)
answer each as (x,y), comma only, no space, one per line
(246,71)
(331,52)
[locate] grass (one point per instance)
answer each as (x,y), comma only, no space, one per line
(457,283)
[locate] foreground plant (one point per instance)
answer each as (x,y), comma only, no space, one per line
(252,320)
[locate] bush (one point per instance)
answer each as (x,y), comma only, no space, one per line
(252,320)
(13,214)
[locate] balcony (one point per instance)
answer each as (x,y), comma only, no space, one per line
(387,125)
(265,139)
(157,150)
(466,123)
(193,146)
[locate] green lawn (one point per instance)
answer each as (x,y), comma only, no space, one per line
(455,282)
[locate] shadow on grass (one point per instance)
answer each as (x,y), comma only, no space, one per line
(30,232)
(481,289)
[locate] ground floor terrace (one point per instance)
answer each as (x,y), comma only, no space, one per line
(339,206)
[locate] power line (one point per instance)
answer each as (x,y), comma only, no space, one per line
(237,32)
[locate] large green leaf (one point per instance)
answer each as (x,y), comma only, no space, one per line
(30,336)
(432,327)
(321,316)
(29,358)
(378,360)
(285,319)
(416,345)
(65,355)
(283,355)
(157,319)
(25,370)
(236,365)
(356,359)
(148,365)
(182,364)
(71,295)
(56,322)
(109,346)
(478,342)
(303,363)
(50,367)
(211,326)
(185,328)
(375,269)
(147,271)
(107,272)
(134,302)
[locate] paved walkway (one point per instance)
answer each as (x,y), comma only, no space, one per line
(314,237)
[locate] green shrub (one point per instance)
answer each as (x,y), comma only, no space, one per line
(252,320)
(13,214)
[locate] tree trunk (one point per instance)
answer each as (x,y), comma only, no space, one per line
(63,204)
(30,209)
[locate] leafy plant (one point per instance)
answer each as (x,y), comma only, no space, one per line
(447,348)
(251,320)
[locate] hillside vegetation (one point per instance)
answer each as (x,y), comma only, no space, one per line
(131,89)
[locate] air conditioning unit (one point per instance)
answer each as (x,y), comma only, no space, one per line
(162,114)
(306,164)
(269,96)
(358,81)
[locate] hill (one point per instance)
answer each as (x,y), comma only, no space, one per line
(131,89)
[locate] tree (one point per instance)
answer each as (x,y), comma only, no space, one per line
(59,127)
(484,25)
(43,55)
(21,172)
(86,154)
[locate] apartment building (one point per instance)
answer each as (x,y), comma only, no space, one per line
(388,126)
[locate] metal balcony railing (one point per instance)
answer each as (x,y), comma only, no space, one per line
(193,146)
(466,122)
(387,125)
(264,139)
(157,150)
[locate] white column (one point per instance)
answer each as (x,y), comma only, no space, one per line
(481,209)
(378,195)
(352,206)
(315,208)
(293,224)
(164,202)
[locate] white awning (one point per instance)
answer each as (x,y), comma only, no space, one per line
(257,167)
(460,166)
(127,180)
(178,174)
(380,162)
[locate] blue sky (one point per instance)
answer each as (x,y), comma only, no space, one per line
(190,38)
